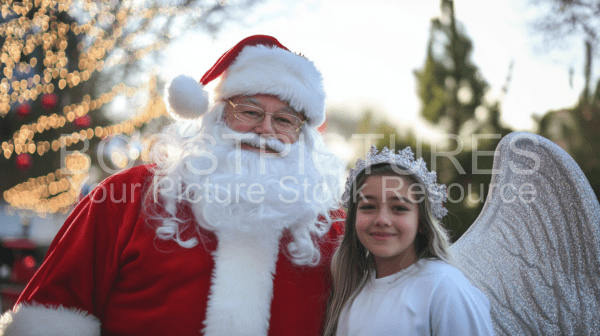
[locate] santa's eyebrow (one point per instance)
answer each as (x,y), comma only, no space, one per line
(253,101)
(289,109)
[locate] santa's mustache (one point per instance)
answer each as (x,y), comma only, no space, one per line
(256,140)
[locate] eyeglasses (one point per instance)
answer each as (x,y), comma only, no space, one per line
(282,121)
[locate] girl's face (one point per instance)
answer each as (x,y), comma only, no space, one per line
(387,221)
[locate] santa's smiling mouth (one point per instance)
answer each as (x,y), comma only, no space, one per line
(249,147)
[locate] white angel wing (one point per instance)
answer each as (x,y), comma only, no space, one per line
(536,256)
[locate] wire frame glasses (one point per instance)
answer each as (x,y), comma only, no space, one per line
(281,121)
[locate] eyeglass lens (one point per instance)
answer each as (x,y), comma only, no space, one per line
(282,121)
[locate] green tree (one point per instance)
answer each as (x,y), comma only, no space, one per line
(575,129)
(452,89)
(450,85)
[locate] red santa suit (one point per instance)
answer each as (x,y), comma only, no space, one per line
(109,271)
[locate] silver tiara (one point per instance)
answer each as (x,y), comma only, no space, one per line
(436,193)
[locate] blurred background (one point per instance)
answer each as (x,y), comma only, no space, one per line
(81,88)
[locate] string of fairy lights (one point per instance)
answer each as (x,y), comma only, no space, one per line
(52,193)
(57,191)
(23,139)
(100,26)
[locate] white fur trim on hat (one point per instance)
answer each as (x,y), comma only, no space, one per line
(271,70)
(35,319)
(186,98)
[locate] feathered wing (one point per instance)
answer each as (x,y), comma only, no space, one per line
(535,248)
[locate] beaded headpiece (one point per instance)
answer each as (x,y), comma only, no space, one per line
(436,193)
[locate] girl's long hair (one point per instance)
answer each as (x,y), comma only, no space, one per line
(352,265)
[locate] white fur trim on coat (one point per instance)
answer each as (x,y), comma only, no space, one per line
(271,70)
(242,285)
(38,320)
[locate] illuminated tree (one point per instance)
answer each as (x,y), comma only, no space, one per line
(62,63)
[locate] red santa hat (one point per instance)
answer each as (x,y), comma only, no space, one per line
(258,64)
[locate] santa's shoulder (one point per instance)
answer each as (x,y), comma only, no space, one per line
(124,187)
(135,174)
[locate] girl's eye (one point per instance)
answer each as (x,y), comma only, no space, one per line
(399,208)
(366,207)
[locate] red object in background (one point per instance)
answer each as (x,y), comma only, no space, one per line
(23,267)
(23,110)
(322,128)
(24,264)
(29,262)
(49,101)
(23,161)
(18,244)
(83,121)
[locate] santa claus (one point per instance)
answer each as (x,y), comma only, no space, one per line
(229,232)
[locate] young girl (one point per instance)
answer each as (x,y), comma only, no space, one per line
(392,272)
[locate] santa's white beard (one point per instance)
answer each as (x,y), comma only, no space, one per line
(250,192)
(239,193)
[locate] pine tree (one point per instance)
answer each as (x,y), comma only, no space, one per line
(575,129)
(450,85)
(451,89)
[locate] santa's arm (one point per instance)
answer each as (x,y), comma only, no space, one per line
(69,290)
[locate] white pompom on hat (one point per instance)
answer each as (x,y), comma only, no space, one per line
(258,64)
(186,97)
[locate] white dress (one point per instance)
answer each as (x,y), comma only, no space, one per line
(430,297)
